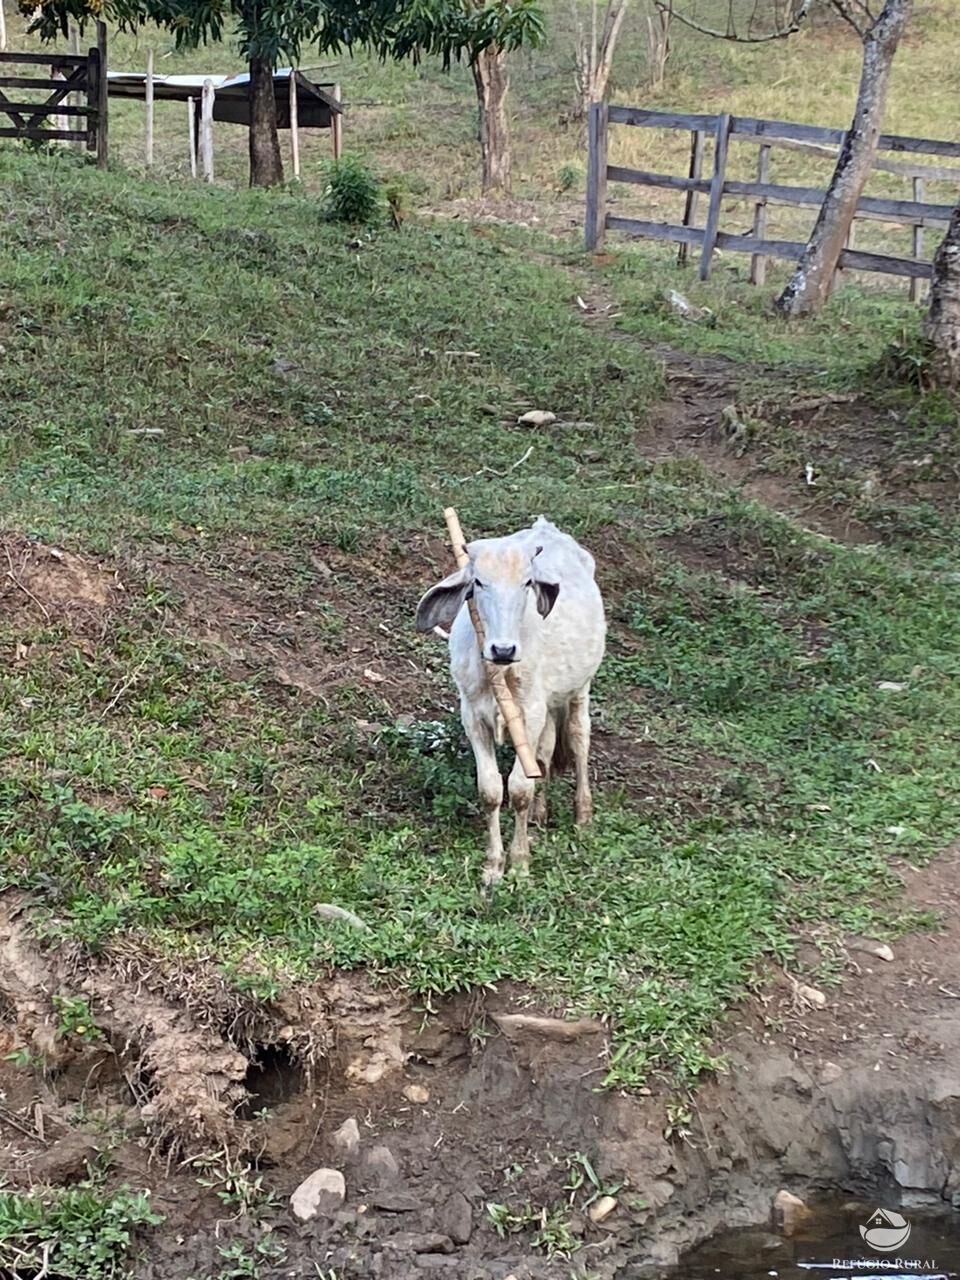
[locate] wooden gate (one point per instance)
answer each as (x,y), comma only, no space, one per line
(80,77)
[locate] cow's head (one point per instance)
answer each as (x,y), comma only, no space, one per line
(500,581)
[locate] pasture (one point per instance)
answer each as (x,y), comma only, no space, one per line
(227,434)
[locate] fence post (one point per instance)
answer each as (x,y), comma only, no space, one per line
(148,98)
(75,99)
(336,126)
(3,29)
(596,221)
(758,263)
(916,286)
(697,138)
(716,193)
(192,132)
(295,124)
(93,97)
(206,129)
(103,149)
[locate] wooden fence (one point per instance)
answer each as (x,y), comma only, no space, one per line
(81,78)
(764,134)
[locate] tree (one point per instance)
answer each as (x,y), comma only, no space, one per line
(811,282)
(270,30)
(881,32)
(942,330)
(594,57)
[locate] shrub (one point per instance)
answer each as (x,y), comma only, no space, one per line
(353,194)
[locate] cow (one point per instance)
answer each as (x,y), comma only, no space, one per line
(543,618)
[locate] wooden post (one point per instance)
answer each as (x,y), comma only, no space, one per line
(758,263)
(294,124)
(103,146)
(916,286)
(75,99)
(93,96)
(191,129)
(506,703)
(3,29)
(206,129)
(849,243)
(148,95)
(60,122)
(693,197)
(336,127)
(596,220)
(716,193)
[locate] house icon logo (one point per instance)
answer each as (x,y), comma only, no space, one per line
(886,1231)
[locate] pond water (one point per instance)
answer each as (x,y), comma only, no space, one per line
(912,1243)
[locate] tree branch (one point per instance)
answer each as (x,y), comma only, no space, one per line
(800,13)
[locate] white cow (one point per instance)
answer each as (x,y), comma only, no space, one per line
(542,616)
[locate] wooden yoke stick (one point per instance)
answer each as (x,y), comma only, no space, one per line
(506,703)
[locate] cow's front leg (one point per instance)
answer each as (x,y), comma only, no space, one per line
(522,790)
(490,787)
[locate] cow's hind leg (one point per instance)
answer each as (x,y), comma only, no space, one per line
(545,750)
(578,728)
(522,790)
(490,787)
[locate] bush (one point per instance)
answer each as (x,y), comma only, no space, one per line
(353,194)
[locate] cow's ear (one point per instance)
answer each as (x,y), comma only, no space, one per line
(547,593)
(442,603)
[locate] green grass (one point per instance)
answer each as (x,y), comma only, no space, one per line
(311,406)
(77,1233)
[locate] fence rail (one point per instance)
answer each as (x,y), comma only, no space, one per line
(75,109)
(765,134)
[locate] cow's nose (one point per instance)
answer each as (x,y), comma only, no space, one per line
(503,652)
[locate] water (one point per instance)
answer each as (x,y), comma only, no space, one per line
(829,1246)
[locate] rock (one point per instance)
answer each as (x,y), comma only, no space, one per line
(347,1138)
(537,418)
(391,1201)
(601,1209)
(416,1093)
(789,1211)
(550,1028)
(382,1164)
(830,1072)
(419,1242)
(65,1161)
(810,995)
(322,1193)
(455,1218)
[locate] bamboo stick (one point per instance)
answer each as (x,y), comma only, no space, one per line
(506,702)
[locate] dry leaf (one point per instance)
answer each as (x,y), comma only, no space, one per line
(374,676)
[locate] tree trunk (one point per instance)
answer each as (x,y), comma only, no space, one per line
(493,83)
(810,285)
(943,319)
(266,167)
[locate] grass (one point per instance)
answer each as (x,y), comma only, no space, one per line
(77,1233)
(316,413)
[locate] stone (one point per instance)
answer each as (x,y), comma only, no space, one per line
(382,1164)
(455,1218)
(322,1193)
(416,1093)
(347,1138)
(419,1242)
(829,1072)
(537,418)
(392,1201)
(789,1211)
(601,1209)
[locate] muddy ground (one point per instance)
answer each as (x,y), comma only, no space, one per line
(464,1118)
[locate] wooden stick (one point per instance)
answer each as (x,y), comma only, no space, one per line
(191,112)
(206,129)
(506,702)
(294,124)
(148,94)
(336,127)
(3,29)
(916,286)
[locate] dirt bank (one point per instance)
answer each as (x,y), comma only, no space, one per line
(467,1121)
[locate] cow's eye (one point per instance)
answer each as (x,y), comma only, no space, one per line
(477,583)
(529,583)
